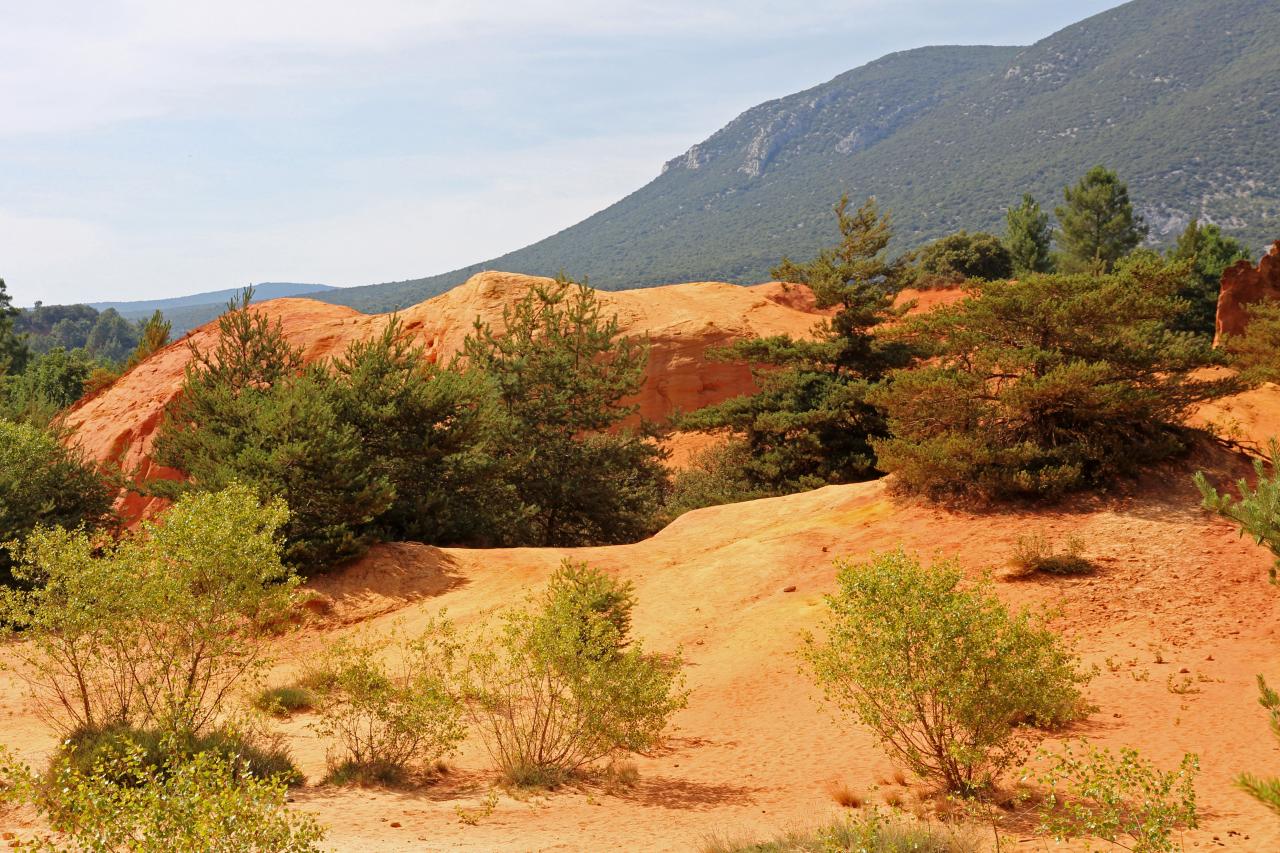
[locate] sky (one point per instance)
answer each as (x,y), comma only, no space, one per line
(154,148)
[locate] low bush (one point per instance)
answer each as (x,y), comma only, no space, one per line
(563,686)
(715,476)
(389,721)
(1119,796)
(187,804)
(86,749)
(873,832)
(942,674)
(1033,553)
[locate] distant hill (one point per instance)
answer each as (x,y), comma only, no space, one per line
(187,312)
(1182,98)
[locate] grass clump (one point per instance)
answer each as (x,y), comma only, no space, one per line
(945,675)
(285,700)
(873,832)
(1034,554)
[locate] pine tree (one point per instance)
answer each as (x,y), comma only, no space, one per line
(1209,253)
(1028,237)
(14,354)
(1097,225)
(153,336)
(561,373)
(811,423)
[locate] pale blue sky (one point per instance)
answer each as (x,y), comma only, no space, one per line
(154,148)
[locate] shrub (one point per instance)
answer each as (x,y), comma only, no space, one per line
(159,629)
(715,476)
(43,482)
(86,749)
(1257,510)
(1265,790)
(1044,386)
(204,802)
(389,722)
(943,675)
(873,832)
(561,372)
(1109,796)
(812,422)
(1256,353)
(962,256)
(1034,553)
(564,686)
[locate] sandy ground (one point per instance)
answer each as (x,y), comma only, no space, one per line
(1179,594)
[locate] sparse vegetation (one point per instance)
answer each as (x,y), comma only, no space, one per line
(943,674)
(1121,796)
(1034,553)
(563,686)
(389,721)
(1265,790)
(871,832)
(1257,510)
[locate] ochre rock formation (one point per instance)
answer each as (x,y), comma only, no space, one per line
(1243,285)
(681,322)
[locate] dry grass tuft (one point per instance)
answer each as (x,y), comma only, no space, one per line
(845,796)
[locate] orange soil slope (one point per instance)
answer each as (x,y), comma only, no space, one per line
(680,321)
(1179,595)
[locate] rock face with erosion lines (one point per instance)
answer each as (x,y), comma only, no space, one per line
(680,322)
(1243,285)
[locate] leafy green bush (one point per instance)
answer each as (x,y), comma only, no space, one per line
(565,686)
(962,256)
(388,720)
(715,476)
(262,756)
(189,804)
(1044,386)
(43,482)
(561,373)
(942,674)
(873,832)
(1256,353)
(159,629)
(1109,796)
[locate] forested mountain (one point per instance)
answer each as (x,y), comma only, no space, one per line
(1180,98)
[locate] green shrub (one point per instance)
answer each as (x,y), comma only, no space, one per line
(962,256)
(565,686)
(873,832)
(715,476)
(42,482)
(389,721)
(942,674)
(1257,510)
(1044,386)
(1109,796)
(159,630)
(85,749)
(189,804)
(1033,553)
(1256,353)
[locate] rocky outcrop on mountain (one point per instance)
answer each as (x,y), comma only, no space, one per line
(1243,285)
(679,322)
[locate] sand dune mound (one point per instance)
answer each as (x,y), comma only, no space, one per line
(680,321)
